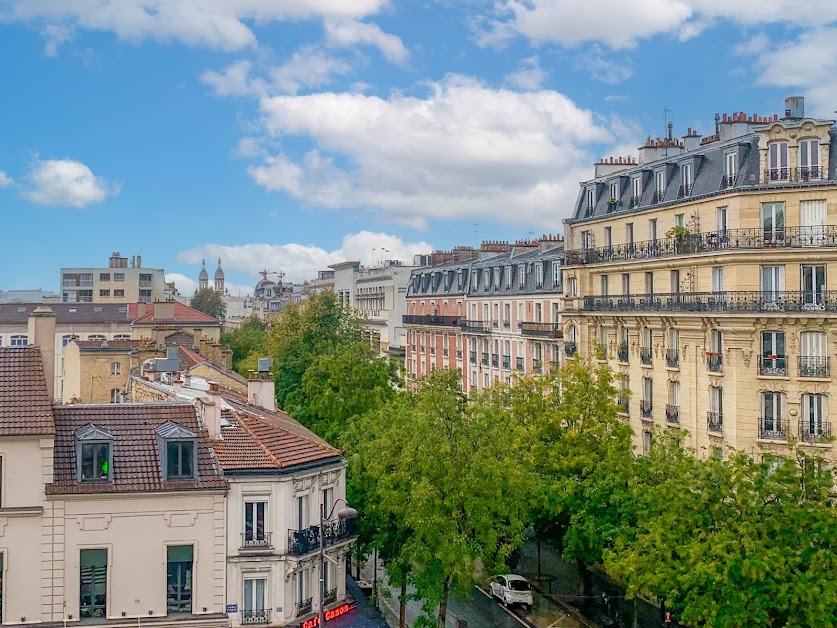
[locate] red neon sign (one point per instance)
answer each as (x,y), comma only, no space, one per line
(333,613)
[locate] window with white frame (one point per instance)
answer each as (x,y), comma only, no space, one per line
(809,159)
(115,395)
(19,341)
(660,183)
(629,233)
(556,274)
(778,161)
(614,190)
(591,198)
(652,229)
(626,284)
(604,285)
(508,273)
(255,522)
(255,607)
(636,187)
(539,275)
(686,177)
(608,237)
(538,313)
(772,406)
(115,368)
(680,220)
(521,275)
(814,417)
(717,279)
(572,286)
(721,220)
(675,281)
(772,283)
(730,168)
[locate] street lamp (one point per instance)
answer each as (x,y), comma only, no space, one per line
(344,514)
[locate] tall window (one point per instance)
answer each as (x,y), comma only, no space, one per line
(660,183)
(716,341)
(602,338)
(730,168)
(115,368)
(649,283)
(626,284)
(717,279)
(772,404)
(538,312)
(680,220)
(778,158)
(814,417)
(686,176)
(180,459)
(716,408)
(675,281)
(721,220)
(773,358)
(647,389)
(93,583)
(327,500)
(538,275)
(179,580)
(773,222)
(629,233)
(521,274)
(591,198)
(813,286)
(115,395)
(254,522)
(604,285)
(772,283)
(608,237)
(301,512)
(94,451)
(301,588)
(809,159)
(255,606)
(652,229)
(556,274)
(507,314)
(614,190)
(636,187)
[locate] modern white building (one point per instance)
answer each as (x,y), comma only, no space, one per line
(119,282)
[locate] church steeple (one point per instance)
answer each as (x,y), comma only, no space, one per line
(219,278)
(203,278)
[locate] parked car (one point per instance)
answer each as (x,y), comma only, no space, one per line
(511,589)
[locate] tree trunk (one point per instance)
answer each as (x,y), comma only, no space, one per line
(443,606)
(357,566)
(402,605)
(586,580)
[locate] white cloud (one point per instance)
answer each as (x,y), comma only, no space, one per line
(214,23)
(5,180)
(66,183)
(56,35)
(349,33)
(598,67)
(529,76)
(234,80)
(756,45)
(464,150)
(187,286)
(621,24)
(302,261)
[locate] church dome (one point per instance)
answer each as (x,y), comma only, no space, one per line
(203,276)
(219,274)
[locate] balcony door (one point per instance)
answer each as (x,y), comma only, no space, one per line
(93,581)
(813,286)
(773,358)
(812,223)
(179,580)
(814,415)
(773,222)
(771,403)
(772,285)
(254,522)
(254,600)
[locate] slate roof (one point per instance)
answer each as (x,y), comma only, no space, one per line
(442,280)
(257,439)
(182,314)
(68,313)
(25,406)
(136,461)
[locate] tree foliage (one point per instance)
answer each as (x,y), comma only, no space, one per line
(248,342)
(210,303)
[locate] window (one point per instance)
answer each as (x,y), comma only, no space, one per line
(813,287)
(716,343)
(327,500)
(647,390)
(608,240)
(556,274)
(629,233)
(778,159)
(717,279)
(94,454)
(19,341)
(660,184)
(814,417)
(254,522)
(65,340)
(680,220)
(604,285)
(652,229)
(686,176)
(508,274)
(122,336)
(636,188)
(716,406)
(119,276)
(614,190)
(730,168)
(507,314)
(96,337)
(538,313)
(538,275)
(591,198)
(773,222)
(809,159)
(104,293)
(603,338)
(772,404)
(104,276)
(178,451)
(772,283)
(721,220)
(115,395)
(646,442)
(773,359)
(93,583)
(301,512)
(255,609)
(301,589)
(115,368)
(675,282)
(649,283)
(521,272)
(572,286)
(626,284)
(179,580)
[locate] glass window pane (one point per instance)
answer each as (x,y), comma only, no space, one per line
(93,583)
(179,578)
(186,459)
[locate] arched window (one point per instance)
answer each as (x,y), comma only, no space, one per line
(19,341)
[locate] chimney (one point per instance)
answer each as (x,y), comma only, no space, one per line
(794,107)
(42,334)
(261,389)
(139,261)
(164,311)
(211,411)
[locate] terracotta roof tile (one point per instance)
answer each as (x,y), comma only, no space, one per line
(136,462)
(189,358)
(182,314)
(25,406)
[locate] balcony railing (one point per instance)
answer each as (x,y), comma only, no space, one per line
(728,181)
(715,421)
(708,242)
(622,352)
(672,413)
(431,320)
(254,616)
(672,358)
(301,542)
(738,301)
(541,330)
(684,191)
(634,202)
(714,362)
(645,355)
(484,359)
(474,327)
(330,597)
(658,197)
(570,348)
(792,175)
(773,365)
(773,428)
(811,366)
(250,540)
(813,431)
(645,408)
(520,364)
(304,607)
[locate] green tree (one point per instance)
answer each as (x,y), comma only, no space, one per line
(210,303)
(248,341)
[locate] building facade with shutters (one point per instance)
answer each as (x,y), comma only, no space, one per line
(702,271)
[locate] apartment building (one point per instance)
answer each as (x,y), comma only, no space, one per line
(380,296)
(700,272)
(494,314)
(118,283)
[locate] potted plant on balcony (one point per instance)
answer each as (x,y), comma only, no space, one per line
(612,203)
(680,235)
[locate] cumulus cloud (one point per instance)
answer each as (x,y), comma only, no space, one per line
(594,63)
(217,24)
(302,261)
(66,183)
(349,33)
(464,150)
(56,35)
(530,75)
(621,24)
(5,180)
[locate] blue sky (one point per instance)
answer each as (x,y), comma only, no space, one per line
(290,134)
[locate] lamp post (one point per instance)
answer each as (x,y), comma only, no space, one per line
(344,514)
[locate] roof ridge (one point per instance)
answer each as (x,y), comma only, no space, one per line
(319,442)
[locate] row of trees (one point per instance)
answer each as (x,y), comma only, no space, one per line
(446,485)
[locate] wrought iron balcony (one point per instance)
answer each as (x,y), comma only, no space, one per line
(728,181)
(684,191)
(520,364)
(304,607)
(622,352)
(541,330)
(330,597)
(645,408)
(737,301)
(473,357)
(506,324)
(484,359)
(812,431)
(793,175)
(459,354)
(255,616)
(714,362)
(672,413)
(672,358)
(773,428)
(715,421)
(570,348)
(773,365)
(658,197)
(474,327)
(506,361)
(813,366)
(431,320)
(708,242)
(301,542)
(255,540)
(624,404)
(634,202)
(645,355)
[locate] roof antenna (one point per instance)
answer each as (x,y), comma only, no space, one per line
(669,126)
(476,235)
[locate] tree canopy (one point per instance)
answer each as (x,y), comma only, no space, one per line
(210,303)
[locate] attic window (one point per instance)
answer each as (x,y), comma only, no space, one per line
(94,454)
(21,309)
(72,310)
(177,448)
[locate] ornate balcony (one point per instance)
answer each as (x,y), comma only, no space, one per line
(645,408)
(474,327)
(773,428)
(484,359)
(672,414)
(645,355)
(672,358)
(304,607)
(622,352)
(812,431)
(714,362)
(732,302)
(301,542)
(813,366)
(773,365)
(570,348)
(715,421)
(255,616)
(330,597)
(728,181)
(708,242)
(495,360)
(255,540)
(431,320)
(793,175)
(541,330)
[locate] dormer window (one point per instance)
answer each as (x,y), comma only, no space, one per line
(591,198)
(94,454)
(660,185)
(730,169)
(508,272)
(809,159)
(687,177)
(521,276)
(778,157)
(636,191)
(614,191)
(177,448)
